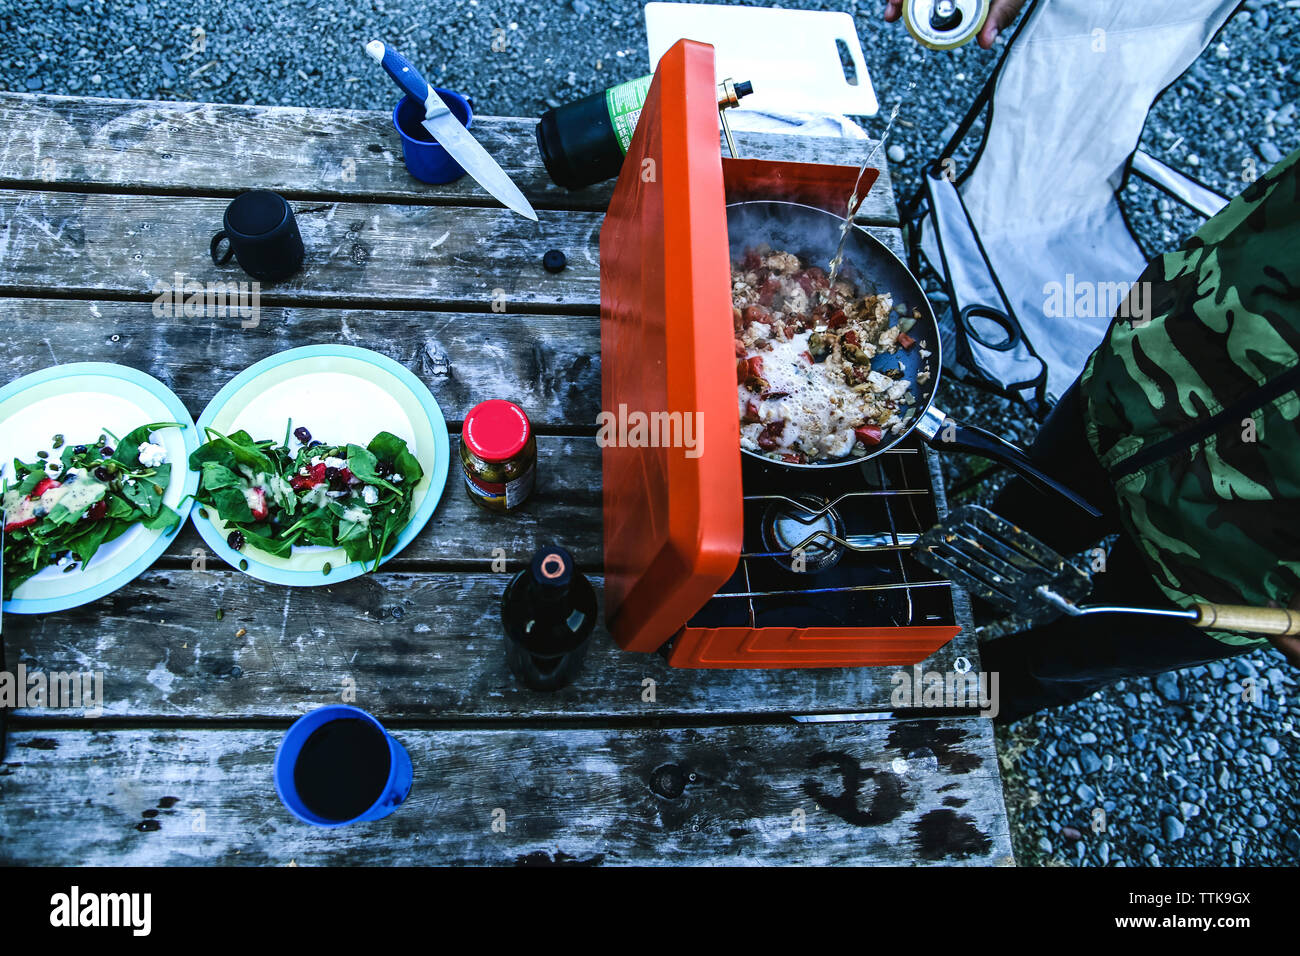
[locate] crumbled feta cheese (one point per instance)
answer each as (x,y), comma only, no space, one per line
(151,455)
(369,494)
(332,462)
(396,479)
(316,460)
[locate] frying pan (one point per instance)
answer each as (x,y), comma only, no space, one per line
(813,234)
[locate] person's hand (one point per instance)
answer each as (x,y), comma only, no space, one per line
(1001,15)
(1289,647)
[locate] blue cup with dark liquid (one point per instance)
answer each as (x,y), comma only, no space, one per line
(338,765)
(425,157)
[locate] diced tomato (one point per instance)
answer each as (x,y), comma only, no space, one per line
(851,337)
(869,434)
(736,321)
(806,356)
(97,510)
(751,412)
(905,340)
(742,371)
(42,486)
(789,332)
(315,476)
(756,313)
(794,457)
(770,436)
(836,319)
(769,290)
(740,349)
(755,365)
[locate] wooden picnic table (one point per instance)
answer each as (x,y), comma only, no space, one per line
(635,763)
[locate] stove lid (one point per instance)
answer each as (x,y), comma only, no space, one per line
(669,428)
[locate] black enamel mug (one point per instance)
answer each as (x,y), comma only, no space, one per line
(262,234)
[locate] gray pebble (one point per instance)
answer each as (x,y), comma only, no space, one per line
(1270,745)
(1168,688)
(1173,828)
(896,153)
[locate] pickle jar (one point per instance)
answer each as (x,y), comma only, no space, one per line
(498,453)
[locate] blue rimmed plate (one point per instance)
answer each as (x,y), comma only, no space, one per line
(341,394)
(80,401)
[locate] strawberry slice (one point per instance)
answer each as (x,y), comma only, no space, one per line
(44,485)
(256,498)
(315,476)
(20,523)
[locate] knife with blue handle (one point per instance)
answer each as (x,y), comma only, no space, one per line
(449,131)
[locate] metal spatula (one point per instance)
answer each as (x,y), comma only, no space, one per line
(995,560)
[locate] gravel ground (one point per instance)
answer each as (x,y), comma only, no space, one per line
(1184,769)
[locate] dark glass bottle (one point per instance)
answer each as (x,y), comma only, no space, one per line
(584,142)
(548,611)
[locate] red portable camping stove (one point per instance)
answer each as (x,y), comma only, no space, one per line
(712,562)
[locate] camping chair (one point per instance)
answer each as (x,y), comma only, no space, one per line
(1036,212)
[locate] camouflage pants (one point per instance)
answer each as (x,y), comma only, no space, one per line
(1072,657)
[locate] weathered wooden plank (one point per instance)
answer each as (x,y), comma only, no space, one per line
(133,145)
(411,644)
(434,257)
(549,364)
(924,792)
(358,253)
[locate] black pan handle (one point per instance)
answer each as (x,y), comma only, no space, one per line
(948,434)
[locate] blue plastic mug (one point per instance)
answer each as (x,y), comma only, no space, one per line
(425,158)
(340,762)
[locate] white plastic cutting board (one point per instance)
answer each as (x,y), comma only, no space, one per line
(789,55)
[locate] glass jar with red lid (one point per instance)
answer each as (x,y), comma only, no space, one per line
(498,453)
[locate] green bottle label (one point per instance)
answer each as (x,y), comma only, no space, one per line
(624,102)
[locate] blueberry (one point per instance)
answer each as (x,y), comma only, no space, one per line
(554,261)
(314,444)
(383,469)
(107,451)
(302,435)
(103,474)
(235,539)
(79,450)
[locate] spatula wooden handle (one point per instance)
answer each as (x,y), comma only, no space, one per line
(1250,620)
